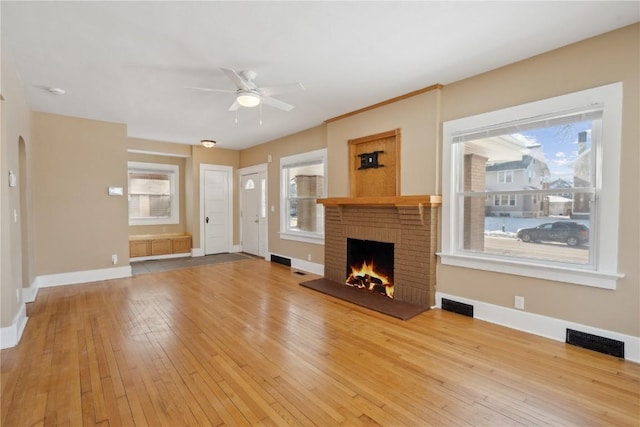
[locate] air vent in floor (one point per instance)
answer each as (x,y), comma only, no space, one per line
(457,307)
(595,343)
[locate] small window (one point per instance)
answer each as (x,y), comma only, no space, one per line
(505,177)
(153,194)
(303,181)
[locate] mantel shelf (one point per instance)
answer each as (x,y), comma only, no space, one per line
(426,200)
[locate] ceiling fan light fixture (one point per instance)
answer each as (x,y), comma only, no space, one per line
(248,98)
(207,143)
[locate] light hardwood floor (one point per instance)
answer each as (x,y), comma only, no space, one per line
(242,344)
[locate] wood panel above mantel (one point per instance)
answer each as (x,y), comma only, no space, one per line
(425,200)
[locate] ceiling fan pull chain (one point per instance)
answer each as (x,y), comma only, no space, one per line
(261,114)
(236,116)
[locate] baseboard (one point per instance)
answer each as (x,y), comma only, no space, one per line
(197,252)
(537,324)
(10,335)
(29,294)
(74,277)
(156,257)
(298,264)
(311,267)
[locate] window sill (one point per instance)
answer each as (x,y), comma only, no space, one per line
(164,221)
(300,237)
(597,279)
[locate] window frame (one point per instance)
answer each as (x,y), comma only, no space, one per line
(286,163)
(506,175)
(174,179)
(603,272)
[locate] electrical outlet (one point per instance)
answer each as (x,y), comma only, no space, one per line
(518,302)
(308,257)
(114,259)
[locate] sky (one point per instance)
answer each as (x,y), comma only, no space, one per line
(560,146)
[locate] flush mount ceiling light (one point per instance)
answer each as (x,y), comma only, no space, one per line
(207,143)
(248,98)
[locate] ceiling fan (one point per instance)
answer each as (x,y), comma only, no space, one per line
(248,94)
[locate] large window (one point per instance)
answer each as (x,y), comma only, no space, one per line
(533,190)
(153,194)
(303,181)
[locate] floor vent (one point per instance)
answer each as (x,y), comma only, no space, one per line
(281,260)
(301,273)
(457,307)
(595,343)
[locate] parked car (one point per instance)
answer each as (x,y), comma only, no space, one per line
(568,232)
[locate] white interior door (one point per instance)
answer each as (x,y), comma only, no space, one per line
(250,213)
(217,205)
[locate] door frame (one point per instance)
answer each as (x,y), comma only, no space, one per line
(229,171)
(263,225)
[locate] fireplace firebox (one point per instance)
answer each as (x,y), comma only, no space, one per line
(370,266)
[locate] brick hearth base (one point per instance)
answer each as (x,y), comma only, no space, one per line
(412,230)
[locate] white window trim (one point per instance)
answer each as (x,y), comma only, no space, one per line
(605,274)
(300,236)
(175,192)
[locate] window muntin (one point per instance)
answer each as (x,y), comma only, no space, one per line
(153,194)
(580,185)
(303,181)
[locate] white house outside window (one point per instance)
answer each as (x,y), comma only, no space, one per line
(534,190)
(302,182)
(153,194)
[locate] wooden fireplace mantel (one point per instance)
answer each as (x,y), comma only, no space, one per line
(426,200)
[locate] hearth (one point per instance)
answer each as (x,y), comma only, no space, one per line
(370,266)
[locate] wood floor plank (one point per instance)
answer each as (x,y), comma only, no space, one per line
(242,343)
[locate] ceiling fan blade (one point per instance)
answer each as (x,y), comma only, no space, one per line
(206,89)
(278,89)
(234,106)
(281,105)
(236,79)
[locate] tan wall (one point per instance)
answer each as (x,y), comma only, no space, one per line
(15,127)
(77,225)
(417,118)
(605,59)
(302,142)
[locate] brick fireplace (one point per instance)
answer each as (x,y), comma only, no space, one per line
(409,222)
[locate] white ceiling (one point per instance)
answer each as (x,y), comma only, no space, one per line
(130,62)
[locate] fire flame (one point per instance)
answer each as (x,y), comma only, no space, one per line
(365,276)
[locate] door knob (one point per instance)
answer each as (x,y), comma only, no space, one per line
(206,220)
